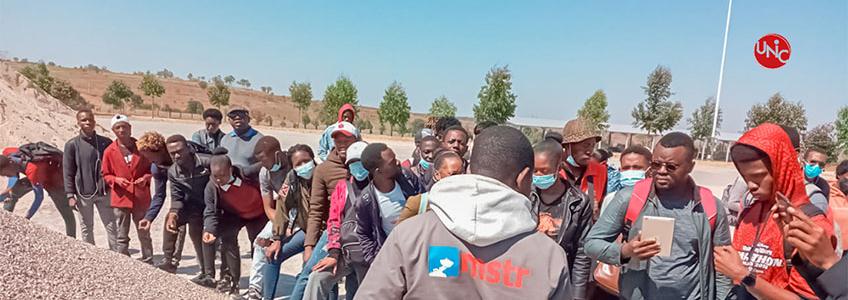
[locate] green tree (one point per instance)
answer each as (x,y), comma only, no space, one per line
(822,137)
(394,109)
(701,122)
(657,113)
(594,110)
(533,134)
(306,120)
(219,94)
(202,84)
(266,89)
(244,82)
(337,94)
(63,91)
(194,107)
(841,125)
(229,79)
(40,76)
(497,102)
(778,111)
(118,95)
(165,73)
(442,107)
(190,76)
(301,95)
(152,88)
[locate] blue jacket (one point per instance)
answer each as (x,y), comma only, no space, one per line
(369,222)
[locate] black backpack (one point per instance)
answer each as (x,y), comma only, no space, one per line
(351,249)
(40,152)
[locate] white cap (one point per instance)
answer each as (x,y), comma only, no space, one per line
(345,128)
(120,118)
(354,151)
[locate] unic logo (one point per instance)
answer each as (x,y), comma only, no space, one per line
(772,51)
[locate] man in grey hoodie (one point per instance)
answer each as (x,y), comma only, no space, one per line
(479,240)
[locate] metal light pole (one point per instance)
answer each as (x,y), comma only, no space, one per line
(721,70)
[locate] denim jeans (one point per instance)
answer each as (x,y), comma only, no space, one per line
(291,246)
(319,253)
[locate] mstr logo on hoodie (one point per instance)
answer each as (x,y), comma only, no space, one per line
(442,262)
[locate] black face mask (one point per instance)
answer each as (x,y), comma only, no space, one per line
(843,185)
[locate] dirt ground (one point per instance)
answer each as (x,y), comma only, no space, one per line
(713,175)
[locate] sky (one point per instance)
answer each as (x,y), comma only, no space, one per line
(559,52)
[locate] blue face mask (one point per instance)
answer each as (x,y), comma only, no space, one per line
(570,161)
(544,182)
(277,166)
(424,164)
(358,171)
(812,171)
(305,171)
(631,177)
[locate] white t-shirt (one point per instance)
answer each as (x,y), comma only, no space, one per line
(391,204)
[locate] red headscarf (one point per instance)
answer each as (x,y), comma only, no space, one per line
(767,259)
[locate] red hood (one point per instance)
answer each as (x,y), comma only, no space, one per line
(788,178)
(346,107)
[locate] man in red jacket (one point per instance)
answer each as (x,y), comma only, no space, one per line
(128,175)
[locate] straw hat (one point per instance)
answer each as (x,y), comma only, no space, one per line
(578,130)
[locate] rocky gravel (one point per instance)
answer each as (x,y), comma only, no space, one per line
(38,263)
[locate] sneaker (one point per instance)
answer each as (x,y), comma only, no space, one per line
(253,294)
(204,281)
(225,285)
(167,267)
(148,260)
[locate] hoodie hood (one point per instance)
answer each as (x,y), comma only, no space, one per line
(344,108)
(481,210)
(787,173)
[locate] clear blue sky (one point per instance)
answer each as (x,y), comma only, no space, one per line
(560,52)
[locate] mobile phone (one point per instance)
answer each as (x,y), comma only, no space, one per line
(783,202)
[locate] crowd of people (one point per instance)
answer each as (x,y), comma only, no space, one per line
(504,220)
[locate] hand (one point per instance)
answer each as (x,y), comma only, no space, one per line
(123,182)
(72,202)
(171,222)
(640,249)
(813,243)
(326,263)
(139,181)
(273,250)
(208,238)
(728,262)
(284,191)
(307,253)
(144,225)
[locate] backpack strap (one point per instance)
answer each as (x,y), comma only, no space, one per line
(708,202)
(637,201)
(422,207)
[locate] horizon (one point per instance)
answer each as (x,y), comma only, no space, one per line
(447,48)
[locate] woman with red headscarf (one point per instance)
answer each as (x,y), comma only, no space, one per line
(759,260)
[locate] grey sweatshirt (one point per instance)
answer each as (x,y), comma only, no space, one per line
(478,242)
(81,165)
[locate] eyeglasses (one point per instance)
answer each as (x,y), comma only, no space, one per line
(657,165)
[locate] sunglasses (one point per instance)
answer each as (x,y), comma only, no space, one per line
(656,166)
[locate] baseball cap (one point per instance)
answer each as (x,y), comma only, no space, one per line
(344,128)
(237,109)
(120,118)
(354,151)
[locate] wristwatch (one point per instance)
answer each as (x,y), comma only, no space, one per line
(750,280)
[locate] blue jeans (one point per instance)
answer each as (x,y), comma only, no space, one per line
(318,254)
(291,246)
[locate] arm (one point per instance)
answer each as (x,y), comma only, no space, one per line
(178,195)
(161,182)
(252,171)
(107,169)
(563,289)
(387,279)
(324,145)
(36,203)
(69,169)
(828,284)
(334,221)
(600,243)
(582,263)
(195,137)
(410,209)
(210,213)
(318,207)
(721,237)
(365,227)
(266,190)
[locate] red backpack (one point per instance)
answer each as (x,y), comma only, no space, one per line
(641,191)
